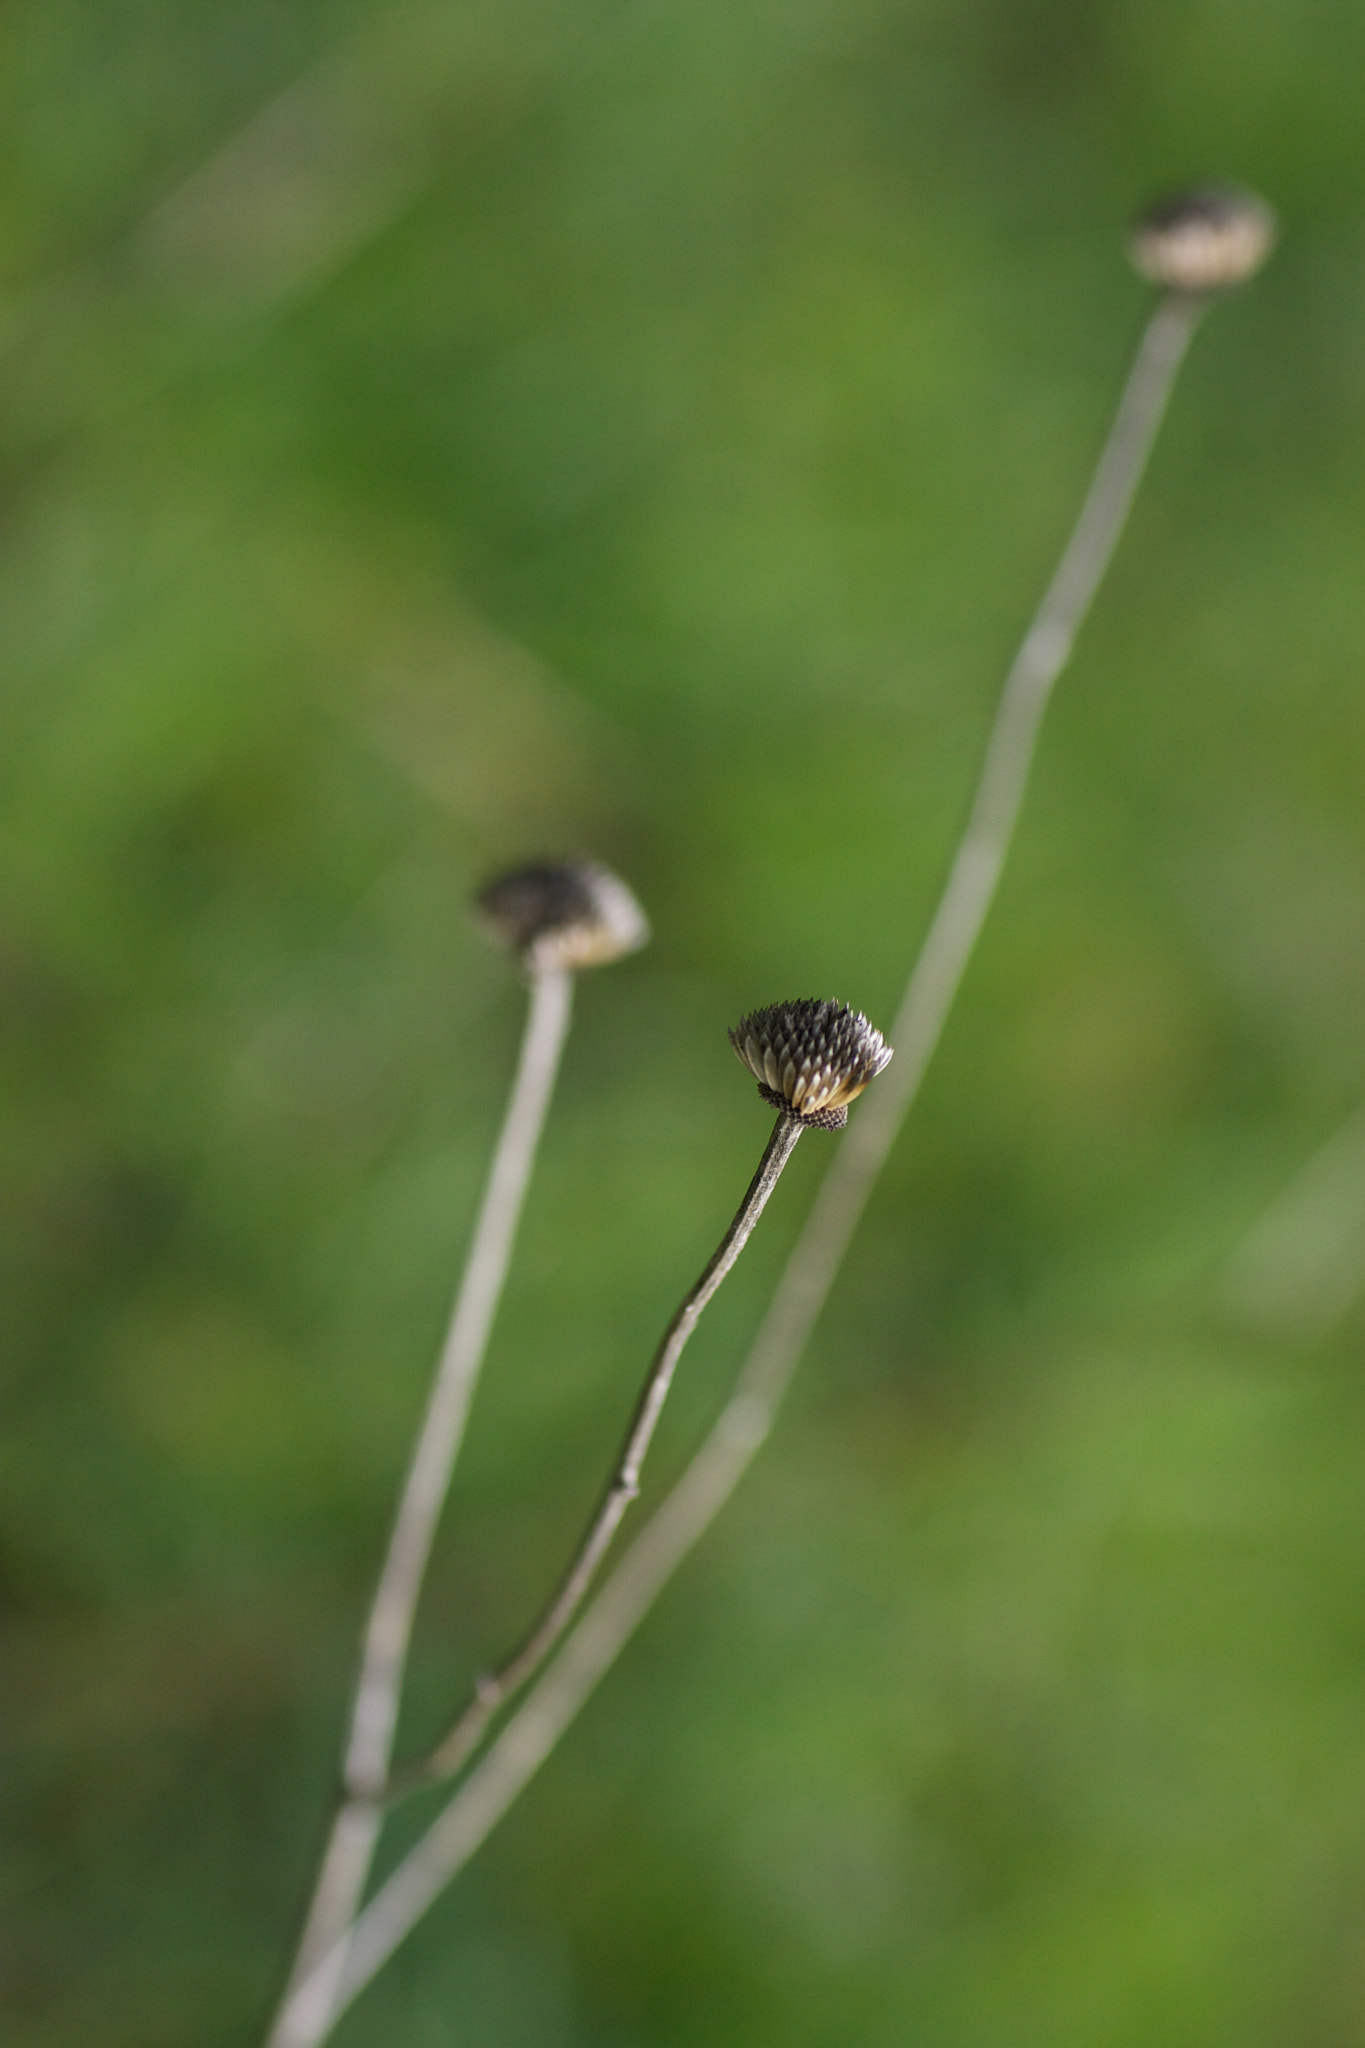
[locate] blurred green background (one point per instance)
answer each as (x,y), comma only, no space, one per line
(441,433)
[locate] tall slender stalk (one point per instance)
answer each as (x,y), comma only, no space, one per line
(1180,246)
(369,1747)
(494,1688)
(811,1059)
(559,916)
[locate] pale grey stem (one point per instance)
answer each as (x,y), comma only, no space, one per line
(495,1688)
(350,1849)
(534,1729)
(438,1442)
(980,857)
(315,2001)
(746,1420)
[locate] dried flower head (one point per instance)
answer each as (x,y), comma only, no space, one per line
(563,914)
(811,1058)
(1203,241)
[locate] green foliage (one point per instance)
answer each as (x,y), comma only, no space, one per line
(647,430)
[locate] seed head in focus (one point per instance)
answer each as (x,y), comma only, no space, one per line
(562,914)
(1206,240)
(811,1058)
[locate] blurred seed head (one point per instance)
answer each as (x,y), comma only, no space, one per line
(1205,240)
(811,1058)
(562,914)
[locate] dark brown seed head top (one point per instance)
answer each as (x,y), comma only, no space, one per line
(1203,241)
(811,1058)
(563,914)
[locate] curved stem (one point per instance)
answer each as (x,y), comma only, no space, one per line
(315,2000)
(495,1688)
(809,1273)
(355,1831)
(980,857)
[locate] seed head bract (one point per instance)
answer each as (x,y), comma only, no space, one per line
(564,914)
(1205,240)
(811,1058)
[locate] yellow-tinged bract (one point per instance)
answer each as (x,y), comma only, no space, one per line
(563,914)
(1206,240)
(810,1058)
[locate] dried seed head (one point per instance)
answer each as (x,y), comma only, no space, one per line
(563,914)
(1203,241)
(811,1058)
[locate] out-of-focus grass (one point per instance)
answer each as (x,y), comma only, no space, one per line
(647,429)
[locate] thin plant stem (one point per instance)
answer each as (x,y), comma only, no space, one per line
(495,1688)
(350,1849)
(316,2000)
(806,1280)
